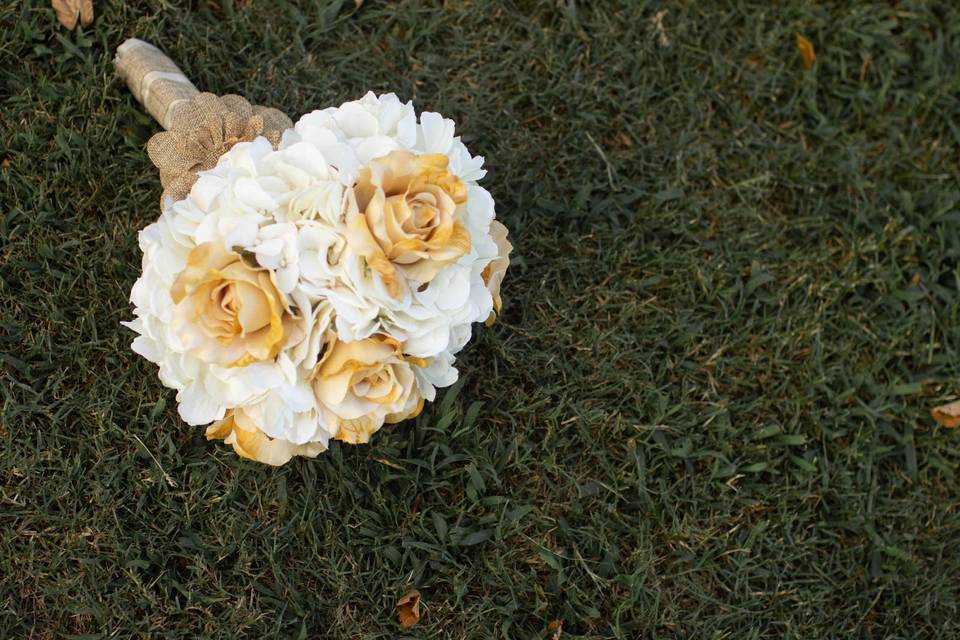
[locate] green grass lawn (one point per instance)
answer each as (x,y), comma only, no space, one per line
(704,414)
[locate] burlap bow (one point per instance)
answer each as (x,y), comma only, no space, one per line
(204,129)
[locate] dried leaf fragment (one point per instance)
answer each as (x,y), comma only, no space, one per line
(557,627)
(68,11)
(408,609)
(807,52)
(947,415)
(657,21)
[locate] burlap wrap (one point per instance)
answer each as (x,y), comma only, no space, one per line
(201,127)
(206,127)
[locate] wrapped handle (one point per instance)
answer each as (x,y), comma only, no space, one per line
(154,80)
(200,127)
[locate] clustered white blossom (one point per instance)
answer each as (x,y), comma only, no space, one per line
(323,288)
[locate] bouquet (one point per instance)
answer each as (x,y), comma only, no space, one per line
(310,281)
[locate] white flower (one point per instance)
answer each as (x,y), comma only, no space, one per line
(249,429)
(289,413)
(316,326)
(277,250)
(356,132)
(312,187)
(236,197)
(321,251)
(439,372)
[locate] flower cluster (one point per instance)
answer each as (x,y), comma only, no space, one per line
(323,288)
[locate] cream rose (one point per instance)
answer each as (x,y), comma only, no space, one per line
(497,268)
(406,223)
(241,429)
(361,385)
(226,311)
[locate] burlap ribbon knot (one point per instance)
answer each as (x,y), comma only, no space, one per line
(204,129)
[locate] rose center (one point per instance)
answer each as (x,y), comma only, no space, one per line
(228,298)
(376,385)
(424,214)
(220,318)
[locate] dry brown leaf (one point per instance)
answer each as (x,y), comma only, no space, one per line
(947,415)
(86,12)
(807,51)
(657,21)
(69,11)
(359,3)
(557,627)
(408,609)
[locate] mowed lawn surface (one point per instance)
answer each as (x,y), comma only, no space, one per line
(704,413)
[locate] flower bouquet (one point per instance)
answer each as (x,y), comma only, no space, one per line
(307,281)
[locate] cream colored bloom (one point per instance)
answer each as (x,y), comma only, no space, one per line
(406,224)
(497,268)
(277,251)
(241,429)
(363,384)
(321,251)
(322,289)
(227,312)
(351,135)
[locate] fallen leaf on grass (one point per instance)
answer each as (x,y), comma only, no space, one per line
(408,609)
(557,627)
(657,21)
(68,11)
(806,51)
(947,415)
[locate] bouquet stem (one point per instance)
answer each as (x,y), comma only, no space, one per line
(154,79)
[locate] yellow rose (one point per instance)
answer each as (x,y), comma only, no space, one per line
(249,441)
(405,222)
(227,312)
(495,270)
(361,385)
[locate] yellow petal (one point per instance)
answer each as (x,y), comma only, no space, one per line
(363,242)
(368,351)
(222,429)
(358,431)
(394,418)
(250,442)
(494,272)
(426,270)
(201,260)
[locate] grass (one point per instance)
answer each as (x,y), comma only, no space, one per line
(704,413)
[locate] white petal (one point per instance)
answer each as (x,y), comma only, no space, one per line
(355,121)
(250,193)
(147,348)
(428,344)
(196,407)
(437,132)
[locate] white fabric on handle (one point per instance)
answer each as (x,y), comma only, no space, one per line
(154,80)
